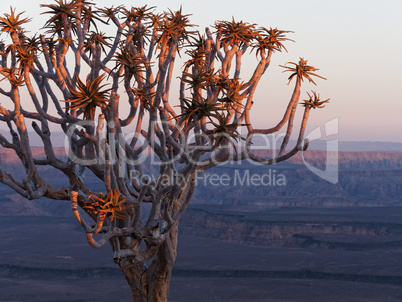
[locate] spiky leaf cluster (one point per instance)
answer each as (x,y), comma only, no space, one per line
(134,14)
(144,95)
(231,90)
(174,27)
(270,39)
(96,39)
(314,101)
(197,52)
(193,109)
(238,33)
(199,79)
(301,71)
(224,130)
(26,54)
(11,23)
(112,204)
(13,75)
(59,11)
(89,95)
(132,62)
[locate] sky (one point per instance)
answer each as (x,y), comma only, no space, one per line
(356,44)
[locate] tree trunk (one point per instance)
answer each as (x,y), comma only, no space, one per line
(152,284)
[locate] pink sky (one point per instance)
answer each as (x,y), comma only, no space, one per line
(356,44)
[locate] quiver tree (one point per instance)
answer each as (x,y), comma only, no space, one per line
(79,80)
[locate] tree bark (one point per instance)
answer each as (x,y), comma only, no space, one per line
(152,284)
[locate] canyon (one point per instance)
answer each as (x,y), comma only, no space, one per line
(305,239)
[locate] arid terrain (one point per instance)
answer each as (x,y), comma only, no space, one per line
(309,240)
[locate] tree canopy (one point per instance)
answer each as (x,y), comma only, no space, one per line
(82,81)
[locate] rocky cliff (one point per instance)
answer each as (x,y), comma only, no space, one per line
(363,179)
(350,229)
